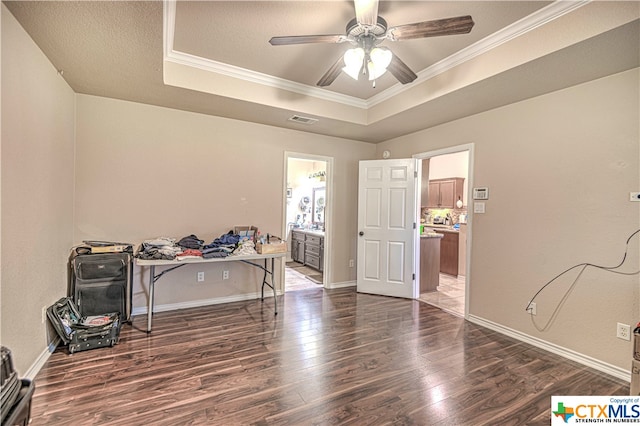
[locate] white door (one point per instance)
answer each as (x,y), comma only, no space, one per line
(387,212)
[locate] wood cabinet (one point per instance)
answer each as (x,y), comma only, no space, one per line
(449,252)
(308,249)
(297,246)
(444,193)
(429,264)
(314,251)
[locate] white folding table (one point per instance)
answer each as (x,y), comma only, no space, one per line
(175,264)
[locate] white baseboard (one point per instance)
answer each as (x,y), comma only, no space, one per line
(604,367)
(341,284)
(142,310)
(33,370)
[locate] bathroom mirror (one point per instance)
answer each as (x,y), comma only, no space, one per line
(319,201)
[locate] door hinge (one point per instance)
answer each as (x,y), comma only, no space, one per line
(414,277)
(414,225)
(415,174)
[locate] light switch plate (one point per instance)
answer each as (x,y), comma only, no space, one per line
(478,207)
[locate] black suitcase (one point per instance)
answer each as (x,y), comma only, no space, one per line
(20,413)
(81,333)
(9,384)
(100,283)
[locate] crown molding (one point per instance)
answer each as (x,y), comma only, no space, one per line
(517,29)
(261,78)
(171,55)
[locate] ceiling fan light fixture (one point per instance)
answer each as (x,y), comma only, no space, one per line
(353,60)
(366,31)
(379,60)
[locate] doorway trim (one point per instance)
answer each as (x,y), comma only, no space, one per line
(328,212)
(452,150)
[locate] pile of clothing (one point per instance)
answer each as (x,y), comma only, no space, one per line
(161,248)
(191,246)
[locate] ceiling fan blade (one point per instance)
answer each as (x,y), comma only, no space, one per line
(401,71)
(284,40)
(331,74)
(366,12)
(439,27)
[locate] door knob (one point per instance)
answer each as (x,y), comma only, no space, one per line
(361,233)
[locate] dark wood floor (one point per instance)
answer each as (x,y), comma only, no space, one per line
(329,357)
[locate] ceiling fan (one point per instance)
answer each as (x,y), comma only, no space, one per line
(366,31)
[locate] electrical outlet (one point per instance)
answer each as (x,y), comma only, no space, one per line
(200,277)
(225,275)
(634,196)
(533,309)
(623,331)
(350,263)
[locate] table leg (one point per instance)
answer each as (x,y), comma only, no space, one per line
(273,286)
(268,272)
(264,280)
(152,272)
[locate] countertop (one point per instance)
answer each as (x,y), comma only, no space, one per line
(310,231)
(440,228)
(431,235)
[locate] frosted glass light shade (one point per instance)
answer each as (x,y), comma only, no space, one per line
(380,60)
(353,59)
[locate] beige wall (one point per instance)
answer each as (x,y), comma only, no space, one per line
(37,191)
(559,169)
(145,171)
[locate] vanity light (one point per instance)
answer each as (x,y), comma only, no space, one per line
(459,203)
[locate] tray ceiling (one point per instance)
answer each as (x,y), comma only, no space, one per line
(213,57)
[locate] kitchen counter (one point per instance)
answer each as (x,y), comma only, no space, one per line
(440,228)
(449,251)
(430,262)
(431,235)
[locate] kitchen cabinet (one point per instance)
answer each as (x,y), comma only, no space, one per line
(444,193)
(449,252)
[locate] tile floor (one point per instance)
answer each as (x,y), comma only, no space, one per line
(450,295)
(298,277)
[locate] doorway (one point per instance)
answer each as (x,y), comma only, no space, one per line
(307,220)
(445,188)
